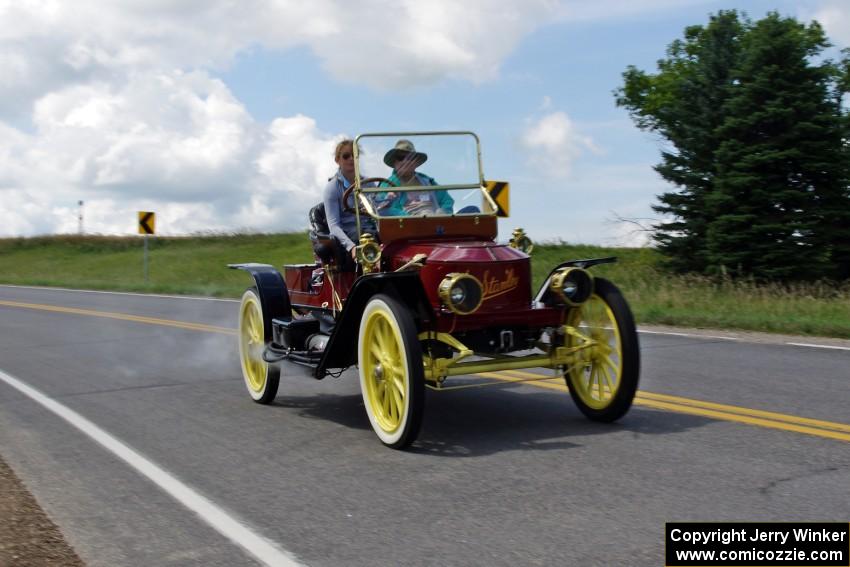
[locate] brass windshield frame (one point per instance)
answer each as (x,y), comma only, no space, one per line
(366,204)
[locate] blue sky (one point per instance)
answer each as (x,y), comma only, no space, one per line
(223,118)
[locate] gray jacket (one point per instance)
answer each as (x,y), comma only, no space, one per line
(342,224)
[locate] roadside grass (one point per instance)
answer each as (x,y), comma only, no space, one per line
(656,296)
(196,265)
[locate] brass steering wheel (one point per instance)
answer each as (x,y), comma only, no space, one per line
(347,193)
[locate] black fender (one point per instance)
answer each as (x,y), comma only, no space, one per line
(274,297)
(543,292)
(341,350)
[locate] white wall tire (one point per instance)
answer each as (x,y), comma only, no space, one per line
(261,378)
(392,379)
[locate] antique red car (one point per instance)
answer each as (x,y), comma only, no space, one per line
(432,296)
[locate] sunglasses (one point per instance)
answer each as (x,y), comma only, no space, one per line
(345,156)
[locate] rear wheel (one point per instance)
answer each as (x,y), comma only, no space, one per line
(604,381)
(392,378)
(261,378)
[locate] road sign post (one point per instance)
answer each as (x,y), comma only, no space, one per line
(147,225)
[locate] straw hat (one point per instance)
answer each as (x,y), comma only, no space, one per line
(401,150)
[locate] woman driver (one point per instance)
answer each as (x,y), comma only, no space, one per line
(343,223)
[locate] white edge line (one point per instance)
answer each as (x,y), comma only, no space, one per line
(819,346)
(195,297)
(691,335)
(264,550)
(695,336)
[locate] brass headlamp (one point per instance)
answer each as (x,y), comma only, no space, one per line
(368,253)
(461,293)
(573,285)
(521,241)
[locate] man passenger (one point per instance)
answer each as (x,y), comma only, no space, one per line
(404,159)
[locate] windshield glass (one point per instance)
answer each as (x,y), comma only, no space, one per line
(425,174)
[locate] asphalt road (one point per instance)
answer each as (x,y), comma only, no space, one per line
(508,475)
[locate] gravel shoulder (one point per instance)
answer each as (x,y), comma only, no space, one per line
(28,537)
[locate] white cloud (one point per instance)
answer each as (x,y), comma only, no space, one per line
(117,104)
(155,132)
(417,43)
(835,18)
(46,44)
(176,143)
(553,142)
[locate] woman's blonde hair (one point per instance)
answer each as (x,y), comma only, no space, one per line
(340,146)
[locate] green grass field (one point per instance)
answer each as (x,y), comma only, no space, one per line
(196,265)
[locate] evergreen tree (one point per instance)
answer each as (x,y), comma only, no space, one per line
(683,103)
(759,149)
(780,206)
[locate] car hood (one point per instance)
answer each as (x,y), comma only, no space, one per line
(504,272)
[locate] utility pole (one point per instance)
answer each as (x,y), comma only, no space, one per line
(80,217)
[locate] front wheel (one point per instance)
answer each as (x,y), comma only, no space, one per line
(604,381)
(261,378)
(392,378)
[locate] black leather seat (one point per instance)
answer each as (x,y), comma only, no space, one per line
(325,245)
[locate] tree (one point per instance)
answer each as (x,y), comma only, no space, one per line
(780,204)
(683,103)
(756,149)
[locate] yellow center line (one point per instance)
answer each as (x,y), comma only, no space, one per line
(664,402)
(715,406)
(122,316)
(743,419)
(747,411)
(724,412)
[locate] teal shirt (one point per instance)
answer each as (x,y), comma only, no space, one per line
(445,203)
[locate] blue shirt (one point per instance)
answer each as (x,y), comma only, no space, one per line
(342,224)
(442,201)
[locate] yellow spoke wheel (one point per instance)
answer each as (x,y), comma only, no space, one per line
(392,378)
(604,380)
(261,378)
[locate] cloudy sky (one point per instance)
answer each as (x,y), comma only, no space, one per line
(222,116)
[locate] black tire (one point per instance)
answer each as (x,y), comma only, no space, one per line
(261,378)
(620,366)
(392,378)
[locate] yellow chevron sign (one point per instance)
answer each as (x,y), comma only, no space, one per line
(147,222)
(499,191)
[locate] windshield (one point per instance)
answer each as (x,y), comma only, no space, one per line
(422,174)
